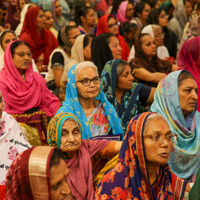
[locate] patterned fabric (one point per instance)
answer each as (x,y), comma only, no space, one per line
(83,31)
(72,105)
(130,105)
(184,160)
(129,178)
(195,191)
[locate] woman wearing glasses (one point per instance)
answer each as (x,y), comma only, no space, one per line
(25,93)
(85,99)
(142,171)
(108,24)
(176,100)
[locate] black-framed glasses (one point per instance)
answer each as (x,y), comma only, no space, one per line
(87,81)
(112,25)
(22,54)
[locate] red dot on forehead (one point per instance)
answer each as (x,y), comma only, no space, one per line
(89,74)
(162,127)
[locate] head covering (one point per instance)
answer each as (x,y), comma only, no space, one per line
(188,59)
(130,178)
(20,96)
(102,27)
(166,5)
(121,12)
(101,52)
(184,159)
(195,190)
(39,44)
(130,105)
(1,48)
(80,164)
(28,176)
(72,105)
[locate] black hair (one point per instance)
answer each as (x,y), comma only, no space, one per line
(15,44)
(184,2)
(139,8)
(4,33)
(86,40)
(56,157)
(184,75)
(198,6)
(141,35)
(107,36)
(109,17)
(154,15)
(127,27)
(120,67)
(152,3)
(81,10)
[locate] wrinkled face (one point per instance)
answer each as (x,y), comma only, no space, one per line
(70,138)
(90,18)
(115,47)
(22,58)
(129,11)
(87,51)
(188,95)
(148,46)
(125,80)
(188,8)
(41,20)
(163,19)
(157,150)
(49,19)
(58,181)
(1,105)
(112,26)
(7,38)
(91,91)
(145,12)
(158,37)
(58,8)
(22,3)
(73,34)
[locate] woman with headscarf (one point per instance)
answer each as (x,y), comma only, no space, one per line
(85,99)
(128,98)
(142,171)
(108,24)
(176,100)
(158,16)
(38,173)
(81,51)
(188,59)
(41,41)
(84,158)
(12,143)
(60,10)
(60,57)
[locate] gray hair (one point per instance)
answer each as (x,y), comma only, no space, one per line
(156,26)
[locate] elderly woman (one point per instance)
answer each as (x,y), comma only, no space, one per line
(156,32)
(147,67)
(128,98)
(108,24)
(38,172)
(85,99)
(12,143)
(42,42)
(142,171)
(24,90)
(176,100)
(84,158)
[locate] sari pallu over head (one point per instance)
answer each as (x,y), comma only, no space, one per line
(20,95)
(184,160)
(130,105)
(25,179)
(130,179)
(44,43)
(188,59)
(72,105)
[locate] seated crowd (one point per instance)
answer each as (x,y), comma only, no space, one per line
(99,100)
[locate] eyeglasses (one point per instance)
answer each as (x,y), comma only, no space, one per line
(159,138)
(87,82)
(112,25)
(160,35)
(22,54)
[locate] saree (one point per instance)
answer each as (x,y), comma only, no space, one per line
(102,27)
(28,176)
(80,165)
(130,105)
(188,59)
(72,105)
(129,179)
(184,159)
(39,44)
